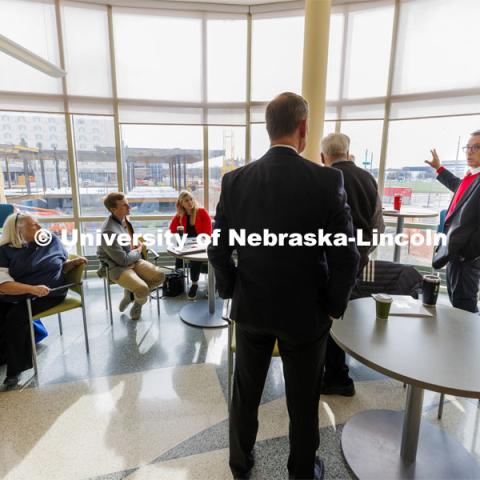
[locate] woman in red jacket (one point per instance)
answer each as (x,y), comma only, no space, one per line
(195,220)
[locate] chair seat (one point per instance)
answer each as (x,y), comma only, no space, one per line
(71,301)
(275,353)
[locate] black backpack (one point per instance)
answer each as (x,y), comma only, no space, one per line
(174,284)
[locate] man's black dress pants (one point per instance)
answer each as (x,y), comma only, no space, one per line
(302,369)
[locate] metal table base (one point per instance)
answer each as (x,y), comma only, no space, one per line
(205,313)
(196,314)
(380,444)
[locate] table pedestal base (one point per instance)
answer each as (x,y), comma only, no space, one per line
(371,443)
(196,314)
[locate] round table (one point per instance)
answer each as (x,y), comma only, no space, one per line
(406,212)
(438,353)
(203,313)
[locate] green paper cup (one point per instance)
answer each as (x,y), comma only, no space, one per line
(383,303)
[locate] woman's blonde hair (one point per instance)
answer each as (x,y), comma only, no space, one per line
(11,234)
(184,194)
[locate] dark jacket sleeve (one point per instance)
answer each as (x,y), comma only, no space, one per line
(449,180)
(220,255)
(342,261)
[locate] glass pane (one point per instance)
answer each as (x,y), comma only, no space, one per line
(226,151)
(335,44)
(33,26)
(365,143)
(409,144)
(87,57)
(159,161)
(260,142)
(62,230)
(279,69)
(368,52)
(96,163)
(33,154)
(437,46)
(227,60)
(157,57)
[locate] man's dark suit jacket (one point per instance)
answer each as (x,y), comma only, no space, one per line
(463,225)
(285,291)
(364,202)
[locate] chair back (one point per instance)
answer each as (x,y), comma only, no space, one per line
(75,275)
(5,210)
(441,221)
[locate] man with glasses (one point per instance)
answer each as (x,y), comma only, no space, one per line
(462,227)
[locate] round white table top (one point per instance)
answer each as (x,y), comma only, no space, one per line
(439,353)
(410,212)
(193,257)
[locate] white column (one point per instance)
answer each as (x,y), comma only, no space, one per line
(315,59)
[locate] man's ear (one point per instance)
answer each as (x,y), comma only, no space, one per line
(322,158)
(303,128)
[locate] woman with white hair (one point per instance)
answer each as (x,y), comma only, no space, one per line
(27,268)
(194,220)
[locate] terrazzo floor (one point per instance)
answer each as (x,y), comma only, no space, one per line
(149,402)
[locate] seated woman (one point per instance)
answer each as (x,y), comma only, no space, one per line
(195,220)
(26,268)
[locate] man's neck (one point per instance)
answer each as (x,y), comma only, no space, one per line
(120,219)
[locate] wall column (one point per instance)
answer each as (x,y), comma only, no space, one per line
(315,59)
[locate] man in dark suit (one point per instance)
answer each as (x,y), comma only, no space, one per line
(285,293)
(366,209)
(462,227)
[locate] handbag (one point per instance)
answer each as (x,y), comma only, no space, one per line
(39,330)
(174,284)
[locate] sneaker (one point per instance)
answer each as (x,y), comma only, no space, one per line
(136,311)
(126,300)
(346,389)
(192,293)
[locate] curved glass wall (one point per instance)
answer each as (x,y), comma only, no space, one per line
(160,100)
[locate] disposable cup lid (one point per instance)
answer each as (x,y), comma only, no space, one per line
(382,297)
(431,278)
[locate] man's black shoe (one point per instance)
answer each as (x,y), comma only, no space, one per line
(345,389)
(319,469)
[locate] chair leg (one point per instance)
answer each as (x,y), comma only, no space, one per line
(84,316)
(32,337)
(105,293)
(60,327)
(440,406)
(110,302)
(229,366)
(158,301)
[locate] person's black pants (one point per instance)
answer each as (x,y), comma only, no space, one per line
(462,284)
(302,369)
(15,345)
(195,268)
(336,370)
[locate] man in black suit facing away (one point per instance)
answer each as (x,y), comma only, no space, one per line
(462,227)
(284,293)
(366,208)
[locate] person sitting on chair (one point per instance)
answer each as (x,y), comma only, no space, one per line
(194,220)
(125,264)
(27,268)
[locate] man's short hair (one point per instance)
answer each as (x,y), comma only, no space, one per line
(335,145)
(475,133)
(110,201)
(284,114)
